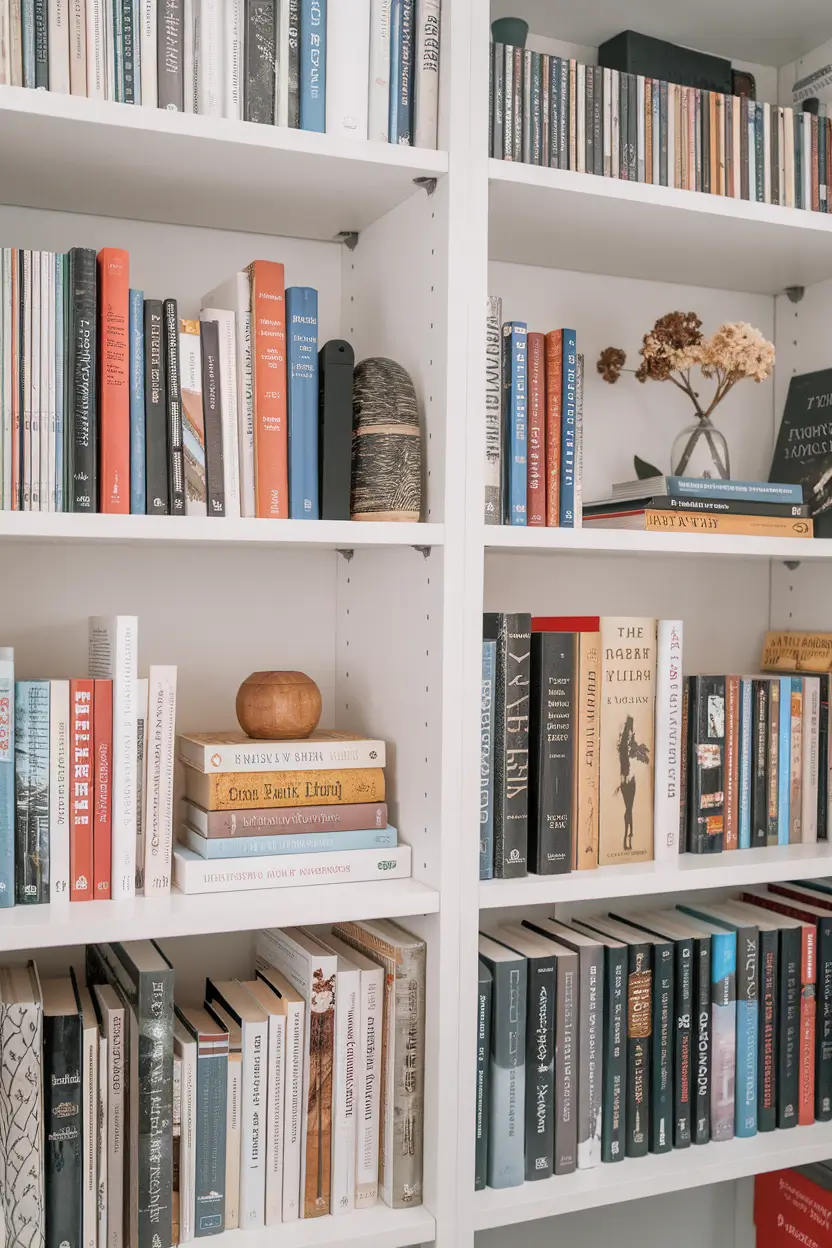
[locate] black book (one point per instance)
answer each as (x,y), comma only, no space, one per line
(511,741)
(706,765)
(554,673)
(82,389)
(173,399)
(41,44)
(632,128)
(614,1057)
(486,984)
(706,142)
(258,68)
(517,110)
(336,362)
(759,763)
(773,762)
(506,1104)
(294,63)
(130,39)
(598,121)
(170,56)
(498,61)
(589,128)
(709,506)
(639,1026)
(823,754)
(62,1112)
(775,157)
(684,768)
(209,333)
(803,452)
(155,410)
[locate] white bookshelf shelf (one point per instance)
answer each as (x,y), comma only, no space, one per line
(635,1178)
(81,923)
(72,154)
(694,871)
(635,542)
(561,219)
(379,1227)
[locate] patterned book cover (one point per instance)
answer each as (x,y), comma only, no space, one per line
(21,1109)
(193,418)
(7,778)
(31,761)
(706,778)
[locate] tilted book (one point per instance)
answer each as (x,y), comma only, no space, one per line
(113,655)
(217,752)
(112,1022)
(89,1090)
(234,295)
(184,1058)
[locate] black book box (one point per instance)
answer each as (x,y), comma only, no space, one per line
(633,53)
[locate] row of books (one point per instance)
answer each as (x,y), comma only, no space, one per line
(136,1117)
(86,776)
(368,69)
(546,110)
(533,423)
(611,1037)
(271,814)
(110,402)
(597,750)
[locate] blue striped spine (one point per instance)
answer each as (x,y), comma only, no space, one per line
(567,438)
(302,401)
(784,760)
(138,490)
(745,764)
(6,777)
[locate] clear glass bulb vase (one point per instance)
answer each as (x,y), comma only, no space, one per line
(700,450)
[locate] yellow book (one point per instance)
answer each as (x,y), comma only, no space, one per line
(743,526)
(245,790)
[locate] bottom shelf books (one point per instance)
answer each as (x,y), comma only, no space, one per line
(614,1036)
(132,1117)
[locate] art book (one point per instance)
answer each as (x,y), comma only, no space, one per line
(803,454)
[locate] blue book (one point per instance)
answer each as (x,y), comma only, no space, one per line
(723,1033)
(60,364)
(138,494)
(302,401)
(31,774)
(515,398)
(402,59)
(745,764)
(288,843)
(27,22)
(567,432)
(784,760)
(6,777)
(313,65)
(706,487)
(489,668)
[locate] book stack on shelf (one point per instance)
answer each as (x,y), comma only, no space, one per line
(704,505)
(274,814)
(647,1031)
(139,1116)
(86,776)
(547,110)
(534,424)
(794,1206)
(367,70)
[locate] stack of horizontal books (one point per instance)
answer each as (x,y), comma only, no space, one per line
(703,505)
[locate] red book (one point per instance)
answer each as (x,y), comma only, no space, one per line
(554,383)
(114,398)
(566,623)
(789,1208)
(102,851)
(81,786)
(268,357)
(536,459)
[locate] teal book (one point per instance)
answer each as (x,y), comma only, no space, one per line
(302,401)
(31,773)
(138,492)
(211,1115)
(784,761)
(7,829)
(507,1065)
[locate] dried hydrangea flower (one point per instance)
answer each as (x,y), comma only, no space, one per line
(610,363)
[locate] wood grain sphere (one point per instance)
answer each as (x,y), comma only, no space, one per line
(278,706)
(386,444)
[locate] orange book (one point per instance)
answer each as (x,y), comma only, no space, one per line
(536,451)
(554,383)
(268,357)
(81,790)
(15,381)
(114,401)
(102,852)
(732,761)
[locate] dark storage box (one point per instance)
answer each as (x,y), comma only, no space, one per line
(633,53)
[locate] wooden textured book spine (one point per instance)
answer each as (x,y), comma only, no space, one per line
(639,1027)
(114,295)
(173,394)
(156,434)
(511,742)
(553,388)
(587,788)
(82,415)
(536,454)
(732,761)
(271,462)
(551,753)
(212,415)
(247,791)
(103,788)
(81,790)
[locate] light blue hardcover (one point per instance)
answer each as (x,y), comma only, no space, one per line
(402,77)
(394,90)
(6,777)
(515,398)
(27,22)
(313,65)
(750,491)
(723,1033)
(489,668)
(745,764)
(302,405)
(138,494)
(60,376)
(567,432)
(288,843)
(784,760)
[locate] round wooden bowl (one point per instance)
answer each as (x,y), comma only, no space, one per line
(278,706)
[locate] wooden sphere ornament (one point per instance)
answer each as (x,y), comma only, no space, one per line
(386,444)
(278,706)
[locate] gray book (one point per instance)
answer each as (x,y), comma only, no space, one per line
(498,60)
(211,1096)
(486,984)
(493,411)
(170,56)
(527,107)
(506,1118)
(489,662)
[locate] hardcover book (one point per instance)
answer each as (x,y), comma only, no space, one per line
(253,790)
(706,766)
(217,752)
(489,664)
(59,781)
(193,418)
(31,765)
(212,415)
(554,664)
(336,361)
(666,805)
(484,1006)
(507,1076)
(62,1112)
(21,1104)
(114,416)
(302,401)
(803,452)
(511,741)
(493,411)
(274,1111)
(222,824)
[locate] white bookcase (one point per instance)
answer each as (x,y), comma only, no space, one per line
(387,618)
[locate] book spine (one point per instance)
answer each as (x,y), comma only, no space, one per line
(746,735)
(138,498)
(808,1007)
(148,42)
(63,1129)
(170,56)
(540,1068)
(259,63)
(142,715)
(379,70)
(590,1066)
(493,411)
(173,401)
(566,1066)
(639,1027)
(231,53)
(101,1153)
(113,277)
(666,804)
(83,371)
(156,436)
(759,786)
(515,394)
(613,1114)
(772,777)
(701,1108)
(154,1014)
(823,1027)
(89,1133)
(507,1076)
(160,778)
(344,1091)
(96,50)
(586,827)
(31,766)
(269,373)
(233,1117)
(335,365)
(41,46)
(552,762)
(511,746)
(567,449)
(193,418)
(57,465)
(113,656)
(577,500)
(347,69)
(209,56)
(213,757)
(684,1003)
(483,1072)
(516,135)
(796,774)
(661,1059)
(102,791)
(253,1102)
(368,1070)
(554,410)
(723,1034)
(489,664)
(7,779)
(748,983)
(428,31)
(731,757)
(788,1039)
(308,843)
(313,62)
(185,1112)
(212,416)
(302,401)
(824,805)
(130,78)
(275,1119)
(81,790)
(784,761)
(767,1073)
(536,480)
(810,732)
(273,822)
(58,45)
(247,791)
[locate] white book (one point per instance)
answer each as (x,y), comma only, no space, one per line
(217,752)
(767,153)
(141,782)
(290,1003)
(668,741)
(789,156)
(208,57)
(58,27)
(379,101)
(184,1048)
(15,44)
(89,1109)
(47,360)
(235,296)
(347,69)
(52,405)
(234,1092)
(428,31)
(281,63)
(811,756)
(193,874)
(77,47)
(113,1025)
(615,153)
(161,736)
(275,1011)
(101,1147)
(781,154)
(21,1105)
(189,54)
(96,38)
(580,128)
(33,465)
(148,35)
(58,792)
(227,325)
(228,999)
(112,656)
(232,58)
(6,374)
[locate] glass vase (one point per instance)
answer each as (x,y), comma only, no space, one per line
(700,450)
